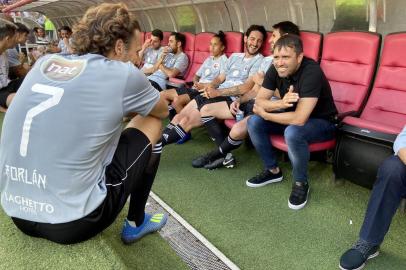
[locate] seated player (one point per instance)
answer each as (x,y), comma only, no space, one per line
(308,116)
(69,192)
(151,51)
(18,67)
(209,70)
(173,62)
(8,87)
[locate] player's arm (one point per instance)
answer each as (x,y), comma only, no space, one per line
(170,72)
(160,110)
(238,89)
(298,117)
(218,80)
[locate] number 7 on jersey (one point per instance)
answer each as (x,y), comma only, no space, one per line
(56,94)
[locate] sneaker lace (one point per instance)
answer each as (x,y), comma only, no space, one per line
(362,246)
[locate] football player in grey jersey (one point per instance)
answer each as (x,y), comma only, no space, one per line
(67,167)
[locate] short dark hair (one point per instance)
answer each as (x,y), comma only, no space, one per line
(287,27)
(7,29)
(291,41)
(158,33)
(66,28)
(255,27)
(22,28)
(179,37)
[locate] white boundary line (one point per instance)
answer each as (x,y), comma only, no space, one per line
(193,231)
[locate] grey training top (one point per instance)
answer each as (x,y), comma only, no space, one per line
(150,57)
(211,68)
(62,130)
(179,61)
(239,68)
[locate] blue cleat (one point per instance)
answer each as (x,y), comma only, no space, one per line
(152,223)
(187,137)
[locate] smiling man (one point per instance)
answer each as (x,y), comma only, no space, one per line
(309,109)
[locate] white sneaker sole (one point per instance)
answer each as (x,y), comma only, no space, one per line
(264,183)
(363,265)
(300,206)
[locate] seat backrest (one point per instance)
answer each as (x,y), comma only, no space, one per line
(189,49)
(201,52)
(266,47)
(234,43)
(387,102)
(349,63)
(312,43)
(164,41)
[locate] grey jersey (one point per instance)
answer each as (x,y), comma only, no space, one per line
(211,68)
(266,64)
(150,57)
(62,130)
(63,47)
(239,68)
(179,61)
(13,58)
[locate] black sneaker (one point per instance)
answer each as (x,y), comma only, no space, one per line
(264,178)
(228,161)
(201,161)
(356,257)
(298,196)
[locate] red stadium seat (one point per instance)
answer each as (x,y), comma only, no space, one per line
(189,49)
(312,43)
(234,42)
(142,36)
(349,63)
(366,141)
(266,47)
(385,110)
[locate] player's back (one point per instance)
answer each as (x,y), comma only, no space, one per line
(59,134)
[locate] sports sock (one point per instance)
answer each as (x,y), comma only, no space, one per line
(140,192)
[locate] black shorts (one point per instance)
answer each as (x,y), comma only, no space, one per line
(247,107)
(192,93)
(12,87)
(155,85)
(201,101)
(130,159)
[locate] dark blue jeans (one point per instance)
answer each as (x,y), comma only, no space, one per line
(389,189)
(297,138)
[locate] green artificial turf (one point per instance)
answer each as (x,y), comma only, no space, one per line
(254,226)
(105,251)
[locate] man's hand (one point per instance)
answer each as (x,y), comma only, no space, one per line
(209,92)
(146,44)
(290,98)
(235,107)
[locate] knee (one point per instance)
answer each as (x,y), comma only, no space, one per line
(254,123)
(293,134)
(392,169)
(239,131)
